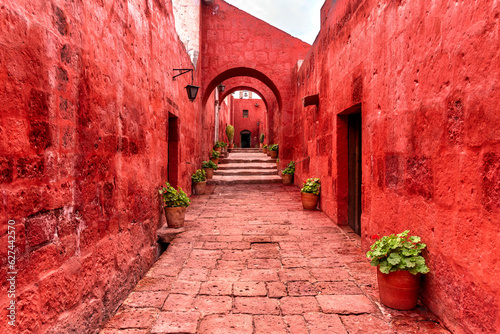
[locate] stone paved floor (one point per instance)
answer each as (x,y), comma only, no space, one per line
(252,261)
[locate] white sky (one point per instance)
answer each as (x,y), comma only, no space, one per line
(299,18)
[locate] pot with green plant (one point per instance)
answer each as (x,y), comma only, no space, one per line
(176,202)
(230,135)
(310,193)
(288,172)
(269,149)
(218,146)
(199,181)
(261,140)
(265,149)
(215,157)
(400,266)
(209,167)
(274,151)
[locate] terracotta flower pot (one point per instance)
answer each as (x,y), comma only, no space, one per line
(399,289)
(268,152)
(274,154)
(261,145)
(265,150)
(175,216)
(215,161)
(210,172)
(218,149)
(231,145)
(287,179)
(309,201)
(200,187)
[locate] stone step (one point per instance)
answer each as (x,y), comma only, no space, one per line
(243,160)
(244,179)
(253,165)
(246,171)
(244,150)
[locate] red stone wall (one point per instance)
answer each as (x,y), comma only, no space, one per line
(236,44)
(86,90)
(256,114)
(426,76)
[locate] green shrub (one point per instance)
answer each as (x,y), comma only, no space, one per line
(199,176)
(274,147)
(290,168)
(209,164)
(215,154)
(311,186)
(262,136)
(218,144)
(230,132)
(173,198)
(265,146)
(398,252)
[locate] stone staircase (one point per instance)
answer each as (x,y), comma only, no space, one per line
(246,166)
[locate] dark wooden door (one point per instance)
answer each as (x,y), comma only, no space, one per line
(354,173)
(173,150)
(245,139)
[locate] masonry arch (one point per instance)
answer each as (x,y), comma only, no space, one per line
(241,72)
(231,90)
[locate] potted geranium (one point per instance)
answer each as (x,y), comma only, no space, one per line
(261,140)
(288,173)
(400,266)
(310,193)
(215,157)
(209,167)
(274,151)
(264,149)
(176,202)
(218,146)
(230,135)
(199,181)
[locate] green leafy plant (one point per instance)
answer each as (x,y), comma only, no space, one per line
(398,252)
(311,186)
(230,132)
(222,144)
(218,144)
(209,164)
(290,168)
(199,176)
(274,147)
(173,198)
(215,154)
(265,146)
(262,136)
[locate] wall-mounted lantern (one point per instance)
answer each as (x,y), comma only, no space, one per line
(191,90)
(221,87)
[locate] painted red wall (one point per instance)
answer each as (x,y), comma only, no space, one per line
(426,76)
(236,44)
(256,114)
(86,89)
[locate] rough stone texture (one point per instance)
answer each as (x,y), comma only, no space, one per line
(87,91)
(247,299)
(428,93)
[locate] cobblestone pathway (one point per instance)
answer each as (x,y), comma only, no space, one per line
(252,261)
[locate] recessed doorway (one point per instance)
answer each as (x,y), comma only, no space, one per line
(245,139)
(173,150)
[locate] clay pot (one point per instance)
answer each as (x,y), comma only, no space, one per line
(268,152)
(274,154)
(399,289)
(218,149)
(200,187)
(215,161)
(265,150)
(287,179)
(175,216)
(210,172)
(309,201)
(231,145)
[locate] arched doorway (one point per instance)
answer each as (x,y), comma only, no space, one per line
(245,139)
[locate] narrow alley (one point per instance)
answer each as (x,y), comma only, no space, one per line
(253,261)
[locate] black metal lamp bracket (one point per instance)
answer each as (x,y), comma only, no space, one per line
(183,71)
